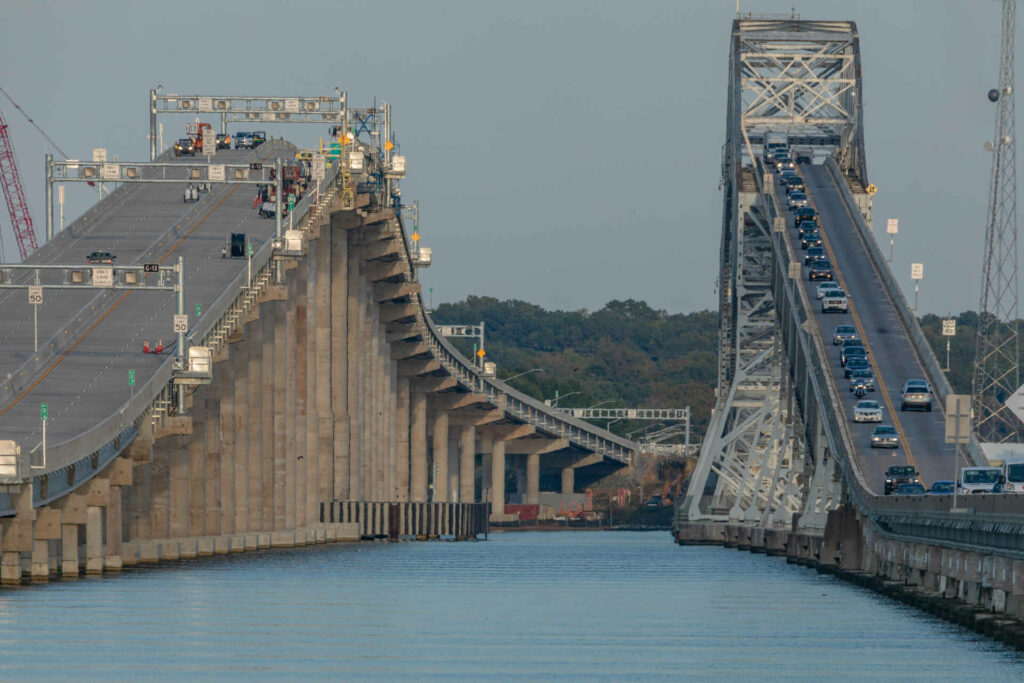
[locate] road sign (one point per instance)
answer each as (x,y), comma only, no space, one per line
(43,410)
(216,172)
(199,309)
(205,104)
(255,166)
(949,327)
(871,189)
(35,295)
(191,127)
(415,237)
(291,202)
(1016,403)
(916,271)
(131,378)
(180,323)
(103,277)
(794,270)
(958,418)
(250,248)
(481,353)
(291,105)
(209,141)
(99,154)
(151,267)
(110,171)
(319,170)
(892,226)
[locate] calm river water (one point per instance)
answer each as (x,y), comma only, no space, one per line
(528,606)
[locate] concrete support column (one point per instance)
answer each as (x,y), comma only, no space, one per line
(160,490)
(178,505)
(418,448)
(568,480)
(40,567)
(453,466)
(197,466)
(467,464)
(292,386)
(112,548)
(212,511)
(356,409)
(140,501)
(69,565)
(229,408)
(94,539)
(253,458)
(309,462)
(339,362)
(401,432)
(265,501)
(498,478)
(325,415)
(280,391)
(533,478)
(441,457)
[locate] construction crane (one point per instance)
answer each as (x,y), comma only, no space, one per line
(17,207)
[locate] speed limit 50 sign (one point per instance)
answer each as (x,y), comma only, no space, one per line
(180,323)
(35,295)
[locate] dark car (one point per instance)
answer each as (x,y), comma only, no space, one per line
(820,270)
(899,474)
(796,185)
(813,254)
(864,377)
(654,502)
(941,487)
(805,213)
(805,224)
(910,490)
(101,257)
(810,239)
(855,363)
(223,141)
(184,146)
(850,351)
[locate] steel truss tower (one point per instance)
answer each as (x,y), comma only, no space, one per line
(997,354)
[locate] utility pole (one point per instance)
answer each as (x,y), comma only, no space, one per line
(997,354)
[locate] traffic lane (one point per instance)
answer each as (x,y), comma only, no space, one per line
(890,346)
(83,382)
(130,232)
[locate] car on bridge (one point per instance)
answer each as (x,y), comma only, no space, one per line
(835,302)
(258,138)
(826,287)
(243,140)
(842,332)
(813,254)
(820,270)
(885,436)
(184,146)
(223,141)
(899,474)
(805,213)
(867,411)
(910,490)
(796,200)
(805,224)
(100,257)
(864,377)
(810,239)
(795,183)
(855,363)
(850,351)
(916,394)
(942,487)
(980,480)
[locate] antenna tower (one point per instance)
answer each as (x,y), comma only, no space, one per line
(997,355)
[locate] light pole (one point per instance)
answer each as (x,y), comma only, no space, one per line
(523,373)
(554,402)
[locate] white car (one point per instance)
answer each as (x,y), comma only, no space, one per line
(867,411)
(825,287)
(796,200)
(835,301)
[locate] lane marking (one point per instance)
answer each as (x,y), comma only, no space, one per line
(860,329)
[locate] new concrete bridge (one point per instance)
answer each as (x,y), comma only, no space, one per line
(783,468)
(315,401)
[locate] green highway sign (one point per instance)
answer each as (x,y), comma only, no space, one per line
(42,411)
(131,378)
(199,310)
(291,202)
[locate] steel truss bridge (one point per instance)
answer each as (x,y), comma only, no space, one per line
(781,450)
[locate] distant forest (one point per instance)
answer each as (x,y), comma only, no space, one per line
(631,355)
(627,354)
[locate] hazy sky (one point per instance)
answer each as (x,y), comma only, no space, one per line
(565,153)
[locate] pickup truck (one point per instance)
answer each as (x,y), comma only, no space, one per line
(835,301)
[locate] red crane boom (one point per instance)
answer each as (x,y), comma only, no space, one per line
(17,207)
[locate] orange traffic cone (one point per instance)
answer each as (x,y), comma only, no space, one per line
(159,346)
(145,346)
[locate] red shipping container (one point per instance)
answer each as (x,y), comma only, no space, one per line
(527,513)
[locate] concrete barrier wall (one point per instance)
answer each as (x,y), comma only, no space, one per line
(409,520)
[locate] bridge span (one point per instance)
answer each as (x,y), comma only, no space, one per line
(783,467)
(316,401)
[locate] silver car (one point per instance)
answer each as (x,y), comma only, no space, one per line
(916,394)
(885,436)
(867,411)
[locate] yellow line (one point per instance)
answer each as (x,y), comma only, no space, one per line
(860,330)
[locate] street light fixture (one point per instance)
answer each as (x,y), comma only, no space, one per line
(523,373)
(557,398)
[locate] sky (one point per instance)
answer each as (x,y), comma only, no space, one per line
(563,153)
